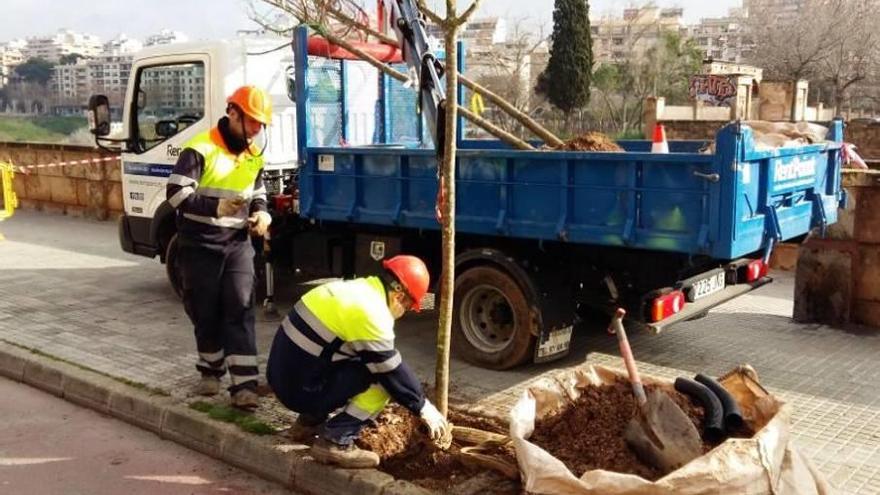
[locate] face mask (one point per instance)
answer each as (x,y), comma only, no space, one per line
(397,309)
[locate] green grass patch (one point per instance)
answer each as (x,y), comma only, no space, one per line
(125,381)
(42,129)
(227,414)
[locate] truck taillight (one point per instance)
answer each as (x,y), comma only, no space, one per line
(667,305)
(755,270)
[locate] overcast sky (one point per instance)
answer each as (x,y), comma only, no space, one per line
(221,18)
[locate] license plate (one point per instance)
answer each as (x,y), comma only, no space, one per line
(706,286)
(557,342)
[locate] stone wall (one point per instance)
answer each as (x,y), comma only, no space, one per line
(866,137)
(838,278)
(91,190)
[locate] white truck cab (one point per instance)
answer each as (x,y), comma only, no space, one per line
(175,92)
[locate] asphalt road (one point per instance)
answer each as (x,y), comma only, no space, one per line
(49,446)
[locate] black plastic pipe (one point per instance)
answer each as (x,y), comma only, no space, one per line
(733,419)
(713,422)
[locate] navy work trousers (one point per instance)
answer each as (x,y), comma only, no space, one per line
(314,387)
(218,288)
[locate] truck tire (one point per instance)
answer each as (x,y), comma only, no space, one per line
(492,326)
(172,267)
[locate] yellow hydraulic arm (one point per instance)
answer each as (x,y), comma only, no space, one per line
(7,193)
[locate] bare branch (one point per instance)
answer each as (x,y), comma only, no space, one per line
(430,14)
(463,18)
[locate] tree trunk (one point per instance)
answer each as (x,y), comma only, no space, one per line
(447,208)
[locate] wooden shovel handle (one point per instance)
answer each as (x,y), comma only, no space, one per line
(625,351)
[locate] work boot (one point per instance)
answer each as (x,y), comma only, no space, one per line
(345,456)
(245,399)
(208,386)
(304,429)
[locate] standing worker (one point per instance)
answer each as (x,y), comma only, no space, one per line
(217,188)
(336,349)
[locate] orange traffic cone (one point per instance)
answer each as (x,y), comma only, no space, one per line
(659,145)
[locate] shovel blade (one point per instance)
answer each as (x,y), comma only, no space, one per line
(662,435)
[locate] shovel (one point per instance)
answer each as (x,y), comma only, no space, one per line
(661,433)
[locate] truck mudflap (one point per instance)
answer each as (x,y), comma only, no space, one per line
(694,309)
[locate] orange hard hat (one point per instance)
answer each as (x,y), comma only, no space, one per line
(254,102)
(412,274)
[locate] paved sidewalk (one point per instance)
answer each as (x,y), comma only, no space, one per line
(67,290)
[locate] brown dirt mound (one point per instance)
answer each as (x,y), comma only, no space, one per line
(407,453)
(589,435)
(590,141)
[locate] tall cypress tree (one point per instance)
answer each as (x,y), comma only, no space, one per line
(566,80)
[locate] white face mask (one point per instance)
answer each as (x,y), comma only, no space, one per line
(396,306)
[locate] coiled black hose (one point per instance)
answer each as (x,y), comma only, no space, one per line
(733,419)
(713,423)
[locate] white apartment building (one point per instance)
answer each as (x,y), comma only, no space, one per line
(723,38)
(10,57)
(122,44)
(64,42)
(619,38)
(164,37)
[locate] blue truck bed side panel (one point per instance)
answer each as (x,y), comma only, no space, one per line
(727,204)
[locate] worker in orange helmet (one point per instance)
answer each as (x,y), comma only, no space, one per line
(217,190)
(335,349)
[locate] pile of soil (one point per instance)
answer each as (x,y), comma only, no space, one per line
(590,141)
(406,452)
(589,434)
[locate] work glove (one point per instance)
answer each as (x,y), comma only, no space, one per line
(435,421)
(229,207)
(259,223)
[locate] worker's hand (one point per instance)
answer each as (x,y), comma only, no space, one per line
(259,223)
(229,207)
(434,421)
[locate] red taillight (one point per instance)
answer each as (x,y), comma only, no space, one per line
(667,305)
(755,270)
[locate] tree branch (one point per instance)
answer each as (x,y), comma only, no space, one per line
(430,14)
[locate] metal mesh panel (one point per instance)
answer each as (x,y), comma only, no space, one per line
(325,102)
(402,118)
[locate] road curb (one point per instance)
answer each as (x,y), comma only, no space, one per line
(269,457)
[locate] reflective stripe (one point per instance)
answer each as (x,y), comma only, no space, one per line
(182,180)
(181,195)
(305,343)
(313,322)
(212,356)
(369,403)
(241,360)
(259,196)
(239,379)
(260,192)
(214,192)
(357,412)
(228,222)
(372,345)
(385,366)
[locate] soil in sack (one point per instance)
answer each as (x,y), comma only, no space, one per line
(589,434)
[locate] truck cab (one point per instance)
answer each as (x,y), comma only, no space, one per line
(175,92)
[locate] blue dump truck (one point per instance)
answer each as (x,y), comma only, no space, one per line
(541,234)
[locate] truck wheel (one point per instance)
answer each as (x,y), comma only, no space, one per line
(172,267)
(492,325)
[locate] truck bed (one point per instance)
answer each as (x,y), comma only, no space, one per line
(634,199)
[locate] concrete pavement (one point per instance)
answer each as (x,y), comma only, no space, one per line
(51,446)
(68,291)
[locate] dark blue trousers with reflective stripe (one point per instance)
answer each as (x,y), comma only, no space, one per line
(315,387)
(218,295)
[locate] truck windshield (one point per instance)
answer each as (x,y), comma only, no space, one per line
(170,98)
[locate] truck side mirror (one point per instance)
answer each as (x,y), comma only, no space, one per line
(166,128)
(99,115)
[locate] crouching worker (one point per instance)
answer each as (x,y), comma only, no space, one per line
(335,349)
